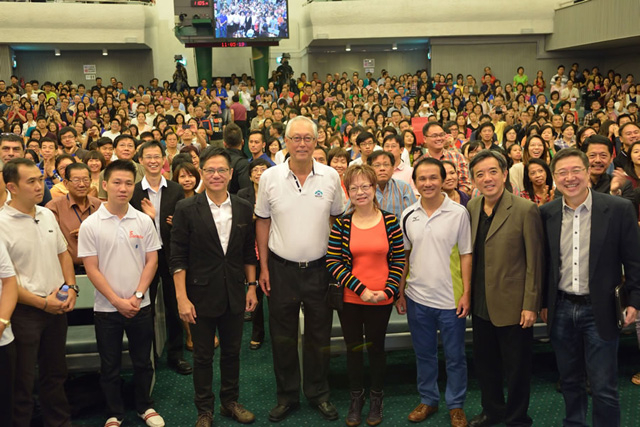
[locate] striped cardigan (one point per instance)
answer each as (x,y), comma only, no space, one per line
(339,257)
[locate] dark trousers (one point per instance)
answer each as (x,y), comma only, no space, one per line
(40,340)
(7,376)
(257,330)
(503,353)
(175,335)
(579,348)
(290,287)
(203,332)
(370,321)
(110,327)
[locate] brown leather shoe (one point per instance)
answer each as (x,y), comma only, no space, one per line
(421,413)
(205,420)
(458,418)
(237,412)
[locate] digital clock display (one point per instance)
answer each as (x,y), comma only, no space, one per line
(200,3)
(233,44)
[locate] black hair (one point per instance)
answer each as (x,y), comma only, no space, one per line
(120,138)
(75,166)
(62,157)
(362,137)
(10,171)
(151,144)
(212,151)
(597,139)
(429,161)
(379,153)
(569,152)
(119,165)
(528,185)
(232,135)
(396,138)
(486,154)
(260,162)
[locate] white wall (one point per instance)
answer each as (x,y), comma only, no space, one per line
(394,62)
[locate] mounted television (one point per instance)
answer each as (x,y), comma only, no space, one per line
(251,19)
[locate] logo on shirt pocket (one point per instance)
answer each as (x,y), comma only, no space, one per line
(132,235)
(318,194)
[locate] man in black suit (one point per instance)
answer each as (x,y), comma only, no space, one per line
(157,197)
(212,255)
(590,237)
(234,141)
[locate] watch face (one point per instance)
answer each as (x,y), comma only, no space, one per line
(139,295)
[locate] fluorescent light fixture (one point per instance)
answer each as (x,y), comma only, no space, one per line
(105,52)
(394,46)
(348,48)
(57,52)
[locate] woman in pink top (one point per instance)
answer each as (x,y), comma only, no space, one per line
(365,255)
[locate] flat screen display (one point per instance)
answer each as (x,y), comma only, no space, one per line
(251,19)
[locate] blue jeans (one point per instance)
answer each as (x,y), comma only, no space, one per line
(424,323)
(578,347)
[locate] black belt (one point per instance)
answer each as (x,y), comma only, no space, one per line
(576,299)
(320,262)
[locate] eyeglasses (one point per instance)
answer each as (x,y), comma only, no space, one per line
(298,139)
(212,171)
(363,187)
(76,181)
(156,158)
(436,135)
(367,144)
(564,173)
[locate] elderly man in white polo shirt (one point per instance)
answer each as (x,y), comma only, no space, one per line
(119,247)
(295,203)
(42,265)
(437,238)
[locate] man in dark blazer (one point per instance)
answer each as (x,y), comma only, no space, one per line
(212,256)
(157,197)
(233,142)
(590,236)
(506,291)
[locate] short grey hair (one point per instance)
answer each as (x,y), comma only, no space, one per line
(313,124)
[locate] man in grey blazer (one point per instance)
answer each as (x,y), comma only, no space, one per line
(506,285)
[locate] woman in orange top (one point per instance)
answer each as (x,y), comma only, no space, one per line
(366,256)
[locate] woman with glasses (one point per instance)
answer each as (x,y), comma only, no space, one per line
(366,256)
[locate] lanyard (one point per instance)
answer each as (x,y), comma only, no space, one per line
(76,210)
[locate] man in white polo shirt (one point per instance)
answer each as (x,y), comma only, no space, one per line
(119,247)
(8,300)
(42,265)
(294,206)
(437,239)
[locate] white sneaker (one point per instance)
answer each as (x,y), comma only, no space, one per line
(113,422)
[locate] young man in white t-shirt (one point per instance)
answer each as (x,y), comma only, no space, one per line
(119,246)
(8,300)
(437,241)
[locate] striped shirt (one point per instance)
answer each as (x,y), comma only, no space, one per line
(340,259)
(464,182)
(396,197)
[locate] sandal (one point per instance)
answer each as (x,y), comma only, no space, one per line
(113,422)
(152,418)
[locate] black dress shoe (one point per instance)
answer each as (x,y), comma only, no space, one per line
(483,420)
(255,345)
(328,411)
(181,366)
(280,412)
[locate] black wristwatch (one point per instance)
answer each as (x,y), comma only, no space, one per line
(75,288)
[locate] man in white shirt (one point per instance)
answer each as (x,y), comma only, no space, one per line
(119,246)
(8,300)
(435,291)
(114,130)
(299,194)
(42,265)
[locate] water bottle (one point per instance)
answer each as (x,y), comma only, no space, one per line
(63,293)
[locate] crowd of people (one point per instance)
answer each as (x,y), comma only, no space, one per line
(439,196)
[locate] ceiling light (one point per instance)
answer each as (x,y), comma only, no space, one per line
(394,46)
(348,48)
(105,52)
(57,52)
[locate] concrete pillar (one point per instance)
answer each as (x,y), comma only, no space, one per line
(260,57)
(204,62)
(6,63)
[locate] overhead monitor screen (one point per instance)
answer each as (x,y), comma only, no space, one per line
(251,19)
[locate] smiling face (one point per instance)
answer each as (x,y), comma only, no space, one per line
(361,191)
(489,178)
(340,164)
(186,180)
(428,181)
(301,141)
(537,175)
(599,158)
(451,181)
(216,174)
(571,177)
